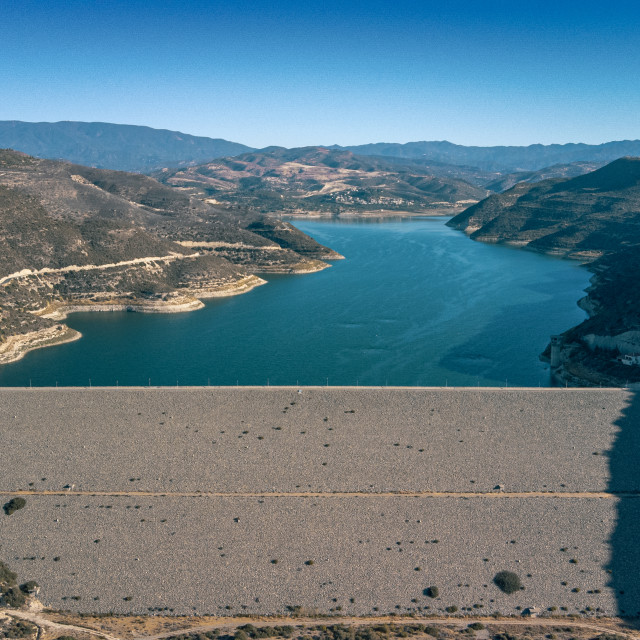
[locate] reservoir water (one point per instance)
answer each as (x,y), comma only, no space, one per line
(413,303)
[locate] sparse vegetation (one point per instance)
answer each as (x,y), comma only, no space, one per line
(432,592)
(10,594)
(406,187)
(19,629)
(7,577)
(250,631)
(29,587)
(507,581)
(319,632)
(13,597)
(14,504)
(38,234)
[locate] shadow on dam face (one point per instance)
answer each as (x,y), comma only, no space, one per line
(624,464)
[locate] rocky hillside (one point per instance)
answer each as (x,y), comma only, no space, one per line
(72,235)
(317,179)
(595,218)
(584,217)
(146,150)
(113,146)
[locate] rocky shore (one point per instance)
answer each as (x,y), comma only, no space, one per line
(15,347)
(591,218)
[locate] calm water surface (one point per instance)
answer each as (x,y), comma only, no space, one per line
(414,303)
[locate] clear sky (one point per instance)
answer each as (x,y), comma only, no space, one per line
(296,73)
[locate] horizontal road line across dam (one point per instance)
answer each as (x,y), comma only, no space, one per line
(336,494)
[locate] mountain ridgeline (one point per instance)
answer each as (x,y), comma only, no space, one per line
(79,237)
(90,234)
(113,146)
(144,150)
(594,218)
(503,158)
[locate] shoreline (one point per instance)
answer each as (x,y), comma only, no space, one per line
(568,371)
(17,346)
(305,266)
(562,374)
(61,312)
(436,212)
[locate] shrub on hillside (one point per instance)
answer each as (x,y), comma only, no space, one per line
(6,575)
(13,597)
(29,586)
(13,505)
(20,629)
(507,581)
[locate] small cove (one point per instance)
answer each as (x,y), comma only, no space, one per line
(413,303)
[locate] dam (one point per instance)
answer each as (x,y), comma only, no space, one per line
(257,500)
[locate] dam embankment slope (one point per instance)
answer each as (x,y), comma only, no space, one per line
(261,499)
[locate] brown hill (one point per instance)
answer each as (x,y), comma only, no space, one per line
(74,235)
(583,217)
(317,179)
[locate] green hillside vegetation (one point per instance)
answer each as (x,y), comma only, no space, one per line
(594,218)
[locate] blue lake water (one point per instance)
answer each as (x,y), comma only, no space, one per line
(413,303)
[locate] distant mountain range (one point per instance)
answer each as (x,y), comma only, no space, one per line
(503,159)
(321,180)
(570,170)
(113,146)
(143,149)
(594,217)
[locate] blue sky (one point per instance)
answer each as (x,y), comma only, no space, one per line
(296,73)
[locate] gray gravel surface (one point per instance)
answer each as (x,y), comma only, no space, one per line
(234,440)
(210,553)
(204,554)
